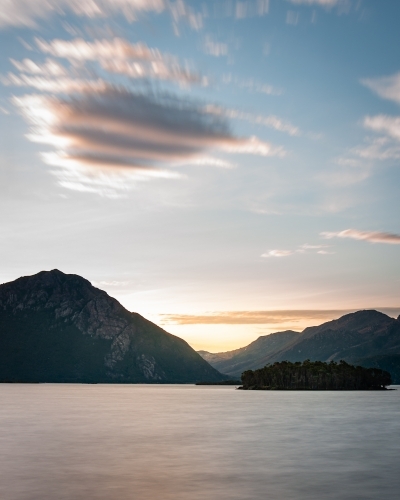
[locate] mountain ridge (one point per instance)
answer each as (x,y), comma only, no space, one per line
(367,337)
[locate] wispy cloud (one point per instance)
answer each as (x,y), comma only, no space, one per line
(28,12)
(380,148)
(135,60)
(277,253)
(252,85)
(82,50)
(306,248)
(107,183)
(240,9)
(271,121)
(387,87)
(341,6)
(49,68)
(214,48)
(322,3)
(371,236)
(263,317)
(292,17)
(63,85)
(347,170)
(246,8)
(389,125)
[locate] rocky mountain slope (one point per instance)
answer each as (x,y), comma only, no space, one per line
(367,338)
(252,356)
(57,327)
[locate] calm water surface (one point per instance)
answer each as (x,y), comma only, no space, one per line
(97,442)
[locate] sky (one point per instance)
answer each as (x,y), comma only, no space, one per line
(225,168)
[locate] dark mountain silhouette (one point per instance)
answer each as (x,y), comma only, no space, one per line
(57,327)
(367,338)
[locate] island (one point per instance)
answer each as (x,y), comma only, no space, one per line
(315,375)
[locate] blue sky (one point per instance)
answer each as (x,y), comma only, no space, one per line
(227,169)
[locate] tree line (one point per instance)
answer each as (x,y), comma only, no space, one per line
(315,375)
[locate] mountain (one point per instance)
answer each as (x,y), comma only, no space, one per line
(367,338)
(251,357)
(57,327)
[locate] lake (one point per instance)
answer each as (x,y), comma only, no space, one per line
(183,442)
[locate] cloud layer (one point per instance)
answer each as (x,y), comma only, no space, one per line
(371,236)
(94,124)
(262,317)
(28,12)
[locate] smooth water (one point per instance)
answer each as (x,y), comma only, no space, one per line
(117,442)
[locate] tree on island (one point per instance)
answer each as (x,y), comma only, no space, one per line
(315,375)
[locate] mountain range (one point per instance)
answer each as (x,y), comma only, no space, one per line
(368,338)
(57,327)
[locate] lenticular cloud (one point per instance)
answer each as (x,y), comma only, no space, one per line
(119,128)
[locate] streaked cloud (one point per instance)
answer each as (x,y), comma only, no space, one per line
(251,84)
(240,9)
(135,60)
(28,12)
(118,128)
(340,6)
(371,236)
(214,48)
(254,146)
(64,85)
(292,17)
(263,317)
(82,50)
(262,88)
(49,68)
(271,121)
(249,8)
(387,87)
(209,161)
(105,182)
(180,11)
(160,70)
(95,128)
(322,3)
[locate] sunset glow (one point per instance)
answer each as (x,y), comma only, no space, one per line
(227,169)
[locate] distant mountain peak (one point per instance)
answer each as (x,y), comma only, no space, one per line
(366,337)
